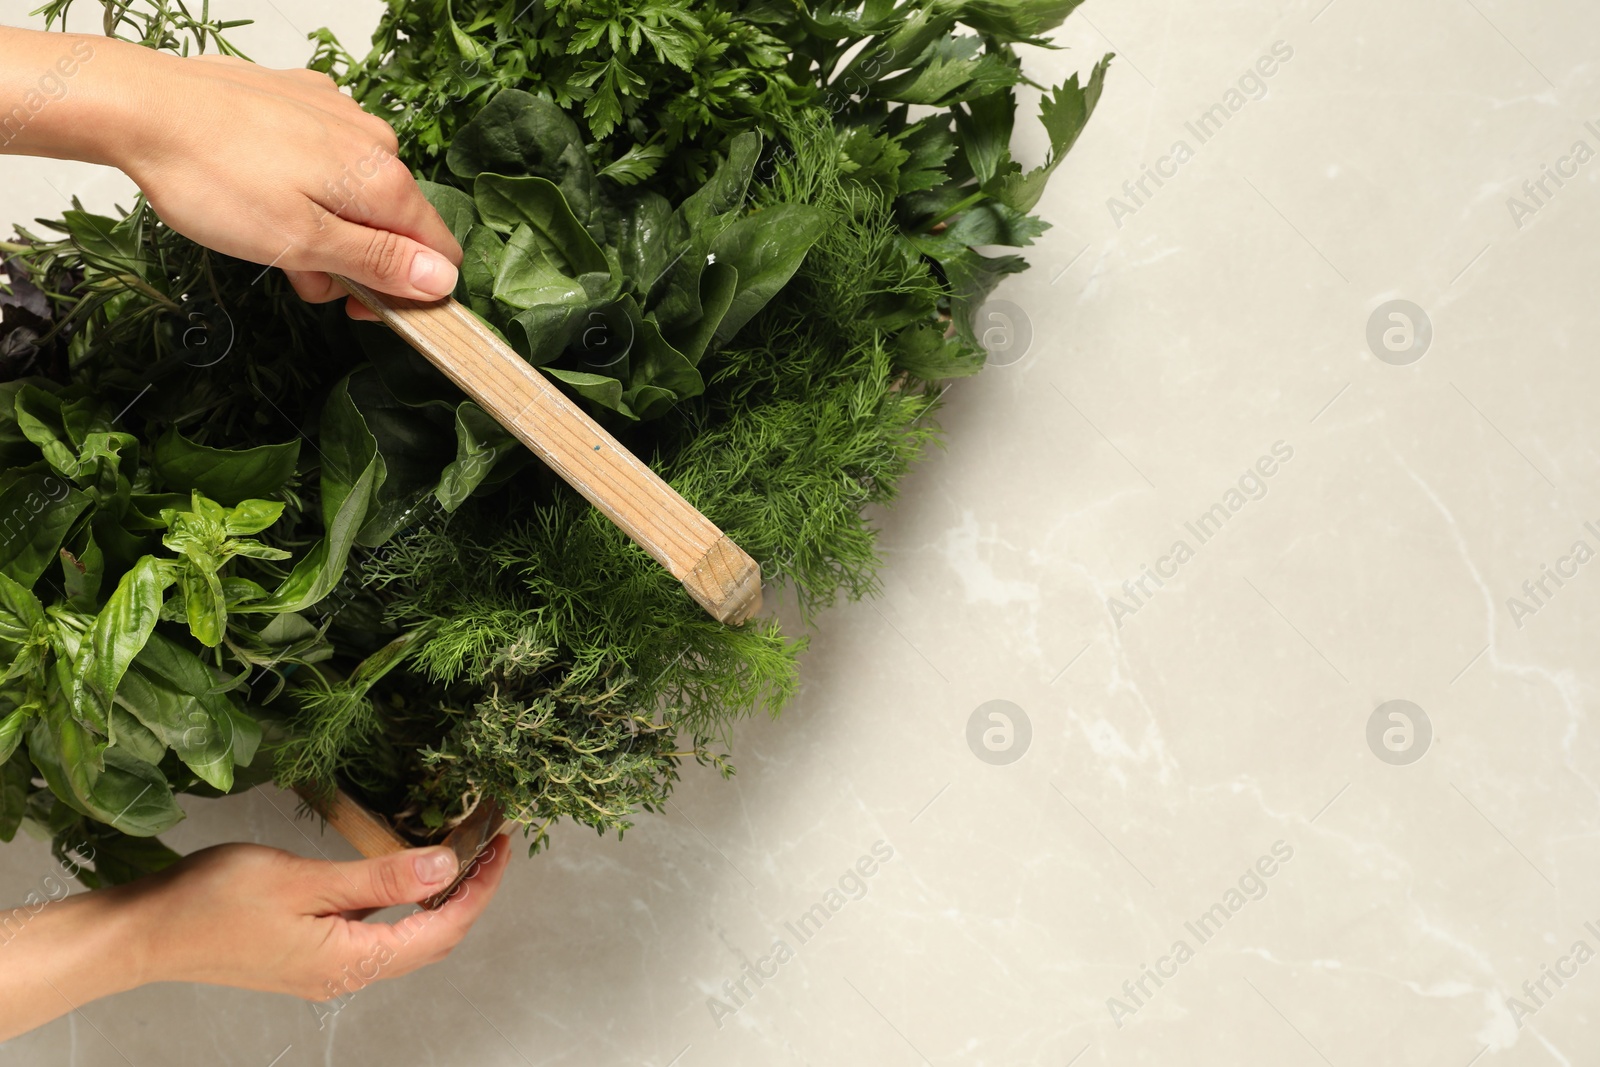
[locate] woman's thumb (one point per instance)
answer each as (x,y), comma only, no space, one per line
(387,261)
(399,878)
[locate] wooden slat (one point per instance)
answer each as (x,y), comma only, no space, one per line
(371,835)
(719,575)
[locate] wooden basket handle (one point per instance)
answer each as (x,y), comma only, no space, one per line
(717,573)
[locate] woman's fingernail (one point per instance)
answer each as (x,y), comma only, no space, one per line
(432,273)
(435,866)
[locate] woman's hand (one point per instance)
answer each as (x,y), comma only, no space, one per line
(257,918)
(277,167)
(237,915)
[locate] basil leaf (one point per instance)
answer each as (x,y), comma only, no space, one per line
(251,517)
(101,459)
(11,735)
(118,858)
(82,574)
(15,448)
(205,608)
(173,693)
(25,611)
(134,796)
(66,755)
(134,738)
(38,415)
(16,782)
(118,633)
(103,783)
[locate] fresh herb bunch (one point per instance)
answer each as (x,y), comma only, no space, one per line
(922,93)
(751,259)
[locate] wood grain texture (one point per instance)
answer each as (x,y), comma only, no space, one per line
(368,833)
(719,575)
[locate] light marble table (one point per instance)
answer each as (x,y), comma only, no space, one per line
(1215,842)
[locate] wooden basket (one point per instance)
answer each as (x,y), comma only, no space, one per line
(717,573)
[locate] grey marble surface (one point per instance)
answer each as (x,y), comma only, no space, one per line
(1216,787)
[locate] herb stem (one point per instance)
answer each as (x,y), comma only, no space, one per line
(956,210)
(138,284)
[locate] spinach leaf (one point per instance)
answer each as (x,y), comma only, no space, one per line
(529,275)
(352,473)
(658,367)
(542,332)
(224,475)
(602,389)
(480,444)
(650,238)
(766,248)
(453,205)
(718,284)
(481,253)
(517,133)
(507,204)
(412,447)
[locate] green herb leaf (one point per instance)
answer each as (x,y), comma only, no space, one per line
(766,249)
(480,444)
(1064,111)
(227,476)
(454,206)
(519,133)
(507,204)
(118,633)
(352,473)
